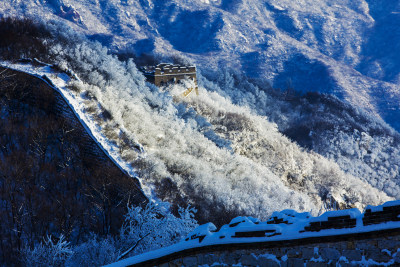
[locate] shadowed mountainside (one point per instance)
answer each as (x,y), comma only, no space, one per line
(54,179)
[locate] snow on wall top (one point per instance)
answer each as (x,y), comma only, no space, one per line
(166,68)
(59,82)
(284,225)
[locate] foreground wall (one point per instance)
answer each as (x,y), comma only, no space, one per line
(378,248)
(288,238)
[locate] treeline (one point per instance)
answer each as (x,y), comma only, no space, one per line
(23,37)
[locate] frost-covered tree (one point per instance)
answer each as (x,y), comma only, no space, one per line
(94,252)
(153,227)
(48,253)
(217,150)
(145,229)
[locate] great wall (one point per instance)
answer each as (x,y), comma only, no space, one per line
(288,238)
(42,92)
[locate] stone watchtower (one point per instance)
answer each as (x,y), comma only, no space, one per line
(165,73)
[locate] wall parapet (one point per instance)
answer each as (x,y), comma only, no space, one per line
(287,229)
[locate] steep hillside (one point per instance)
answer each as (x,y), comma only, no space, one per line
(346,48)
(222,151)
(207,151)
(176,137)
(54,179)
(357,142)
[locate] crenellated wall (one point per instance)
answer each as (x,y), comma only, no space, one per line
(165,73)
(288,238)
(380,248)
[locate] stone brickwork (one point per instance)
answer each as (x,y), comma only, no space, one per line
(336,238)
(165,73)
(352,252)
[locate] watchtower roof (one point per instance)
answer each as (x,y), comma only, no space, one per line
(166,67)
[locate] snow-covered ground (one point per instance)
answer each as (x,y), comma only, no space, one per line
(348,48)
(265,172)
(216,146)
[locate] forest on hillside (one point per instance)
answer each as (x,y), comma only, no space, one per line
(241,148)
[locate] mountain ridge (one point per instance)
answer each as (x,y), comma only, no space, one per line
(324,46)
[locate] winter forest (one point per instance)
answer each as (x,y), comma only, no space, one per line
(275,126)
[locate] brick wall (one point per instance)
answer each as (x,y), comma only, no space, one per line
(164,79)
(381,248)
(336,238)
(165,73)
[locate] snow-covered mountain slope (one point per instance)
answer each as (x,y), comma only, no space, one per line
(348,47)
(357,142)
(203,150)
(219,150)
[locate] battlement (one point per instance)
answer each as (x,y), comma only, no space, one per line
(291,238)
(165,73)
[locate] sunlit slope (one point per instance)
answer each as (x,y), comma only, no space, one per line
(211,152)
(208,151)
